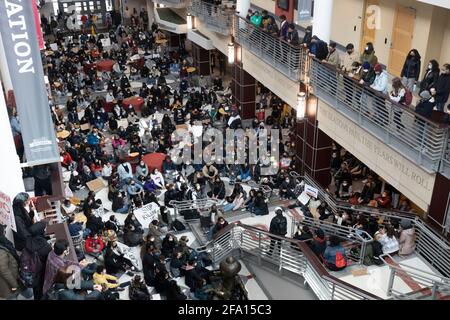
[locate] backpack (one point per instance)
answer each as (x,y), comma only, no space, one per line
(178,225)
(407,99)
(30,267)
(340,260)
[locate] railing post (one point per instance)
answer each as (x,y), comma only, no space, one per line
(332,291)
(280,270)
(260,249)
(363,252)
(391,282)
(434,291)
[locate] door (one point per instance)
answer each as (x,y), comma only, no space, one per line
(371,17)
(402,35)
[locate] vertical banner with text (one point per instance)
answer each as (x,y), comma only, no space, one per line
(304,10)
(18,30)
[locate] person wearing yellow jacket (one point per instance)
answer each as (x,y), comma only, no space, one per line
(102,278)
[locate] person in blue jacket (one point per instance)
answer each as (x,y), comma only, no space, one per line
(334,255)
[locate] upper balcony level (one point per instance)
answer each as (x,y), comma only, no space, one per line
(218,18)
(422,140)
(173,3)
(288,59)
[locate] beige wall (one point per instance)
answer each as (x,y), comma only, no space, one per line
(219,41)
(404,175)
(347,14)
(276,82)
(269,5)
(445,52)
(432,23)
(436,36)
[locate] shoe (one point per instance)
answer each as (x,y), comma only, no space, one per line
(120,289)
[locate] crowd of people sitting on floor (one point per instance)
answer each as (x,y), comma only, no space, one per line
(109,140)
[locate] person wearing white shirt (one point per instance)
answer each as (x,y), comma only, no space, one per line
(107,171)
(380,83)
(398,95)
(125,172)
(157,178)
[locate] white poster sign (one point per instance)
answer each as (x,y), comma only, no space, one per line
(303,198)
(6,212)
(147,214)
(311,191)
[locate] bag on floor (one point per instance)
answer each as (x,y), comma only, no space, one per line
(178,225)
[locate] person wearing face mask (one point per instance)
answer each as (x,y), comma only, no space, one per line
(333,56)
(430,77)
(133,231)
(442,87)
(142,170)
(424,108)
(411,70)
(349,58)
(369,55)
(345,190)
(169,244)
(157,178)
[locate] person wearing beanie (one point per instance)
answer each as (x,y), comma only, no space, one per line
(426,105)
(367,74)
(380,83)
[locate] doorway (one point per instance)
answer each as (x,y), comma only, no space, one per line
(402,35)
(371,17)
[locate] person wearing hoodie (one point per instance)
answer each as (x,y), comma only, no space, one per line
(442,87)
(9,266)
(407,239)
(411,70)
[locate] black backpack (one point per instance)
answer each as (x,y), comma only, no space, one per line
(177,225)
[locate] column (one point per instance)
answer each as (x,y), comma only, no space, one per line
(11,182)
(4,71)
(242,7)
(439,209)
(323,10)
(200,58)
(243,88)
(313,146)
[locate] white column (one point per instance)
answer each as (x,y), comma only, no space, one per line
(323,10)
(242,7)
(4,71)
(11,181)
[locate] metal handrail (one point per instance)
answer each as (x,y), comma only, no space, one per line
(293,255)
(392,122)
(430,245)
(172,2)
(200,204)
(426,279)
(286,58)
(219,18)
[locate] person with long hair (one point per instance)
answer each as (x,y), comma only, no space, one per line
(411,70)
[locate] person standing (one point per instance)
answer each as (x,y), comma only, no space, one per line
(442,87)
(411,70)
(278,227)
(9,266)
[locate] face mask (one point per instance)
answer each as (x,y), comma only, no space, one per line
(367,49)
(430,66)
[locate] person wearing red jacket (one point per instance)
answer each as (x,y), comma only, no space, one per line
(94,245)
(66,159)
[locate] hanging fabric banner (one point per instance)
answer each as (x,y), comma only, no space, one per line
(18,31)
(304,10)
(37,23)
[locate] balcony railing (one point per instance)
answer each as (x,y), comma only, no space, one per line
(173,3)
(419,138)
(286,58)
(218,18)
(445,162)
